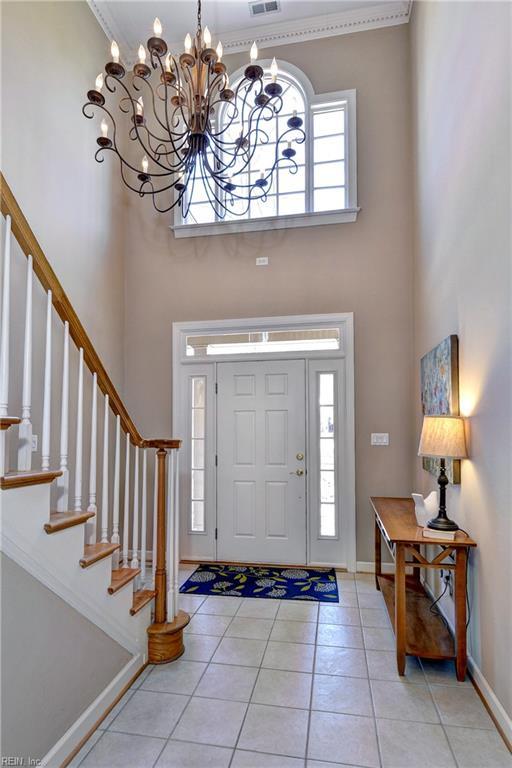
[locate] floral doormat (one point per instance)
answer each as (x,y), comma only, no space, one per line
(255,581)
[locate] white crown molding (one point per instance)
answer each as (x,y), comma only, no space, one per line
(111,28)
(315,27)
(272,35)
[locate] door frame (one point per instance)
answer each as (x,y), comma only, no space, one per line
(202,545)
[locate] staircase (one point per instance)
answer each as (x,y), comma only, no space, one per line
(97,520)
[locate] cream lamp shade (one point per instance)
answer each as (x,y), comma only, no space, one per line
(443,437)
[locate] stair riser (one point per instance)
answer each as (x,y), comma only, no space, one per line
(27,508)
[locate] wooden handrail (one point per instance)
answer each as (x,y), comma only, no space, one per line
(49,280)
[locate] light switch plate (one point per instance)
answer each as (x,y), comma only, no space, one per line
(380,438)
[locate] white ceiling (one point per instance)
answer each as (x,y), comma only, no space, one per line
(130,21)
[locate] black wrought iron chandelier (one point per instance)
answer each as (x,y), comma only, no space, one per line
(183,125)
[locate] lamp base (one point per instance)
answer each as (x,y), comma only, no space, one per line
(441,523)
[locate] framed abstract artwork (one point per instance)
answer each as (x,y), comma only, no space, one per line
(440,394)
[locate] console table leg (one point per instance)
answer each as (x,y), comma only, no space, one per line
(378,555)
(460,612)
(400,608)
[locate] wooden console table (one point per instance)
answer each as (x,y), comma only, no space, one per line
(418,631)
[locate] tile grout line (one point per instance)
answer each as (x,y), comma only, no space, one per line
(377,740)
(254,685)
(207,664)
(456,762)
(259,668)
(308,730)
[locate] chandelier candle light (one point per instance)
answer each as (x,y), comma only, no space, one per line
(191,128)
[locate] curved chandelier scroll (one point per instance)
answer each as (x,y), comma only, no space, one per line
(183,124)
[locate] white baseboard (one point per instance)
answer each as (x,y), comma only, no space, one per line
(493,703)
(364,567)
(186,560)
(74,735)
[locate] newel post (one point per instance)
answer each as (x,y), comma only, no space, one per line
(165,638)
(161,565)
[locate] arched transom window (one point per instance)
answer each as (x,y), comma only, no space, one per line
(320,184)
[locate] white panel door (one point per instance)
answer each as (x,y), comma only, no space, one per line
(261,474)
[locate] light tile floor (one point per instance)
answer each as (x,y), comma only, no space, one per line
(270,684)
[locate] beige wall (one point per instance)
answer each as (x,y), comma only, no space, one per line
(54,663)
(461,107)
(51,54)
(365,267)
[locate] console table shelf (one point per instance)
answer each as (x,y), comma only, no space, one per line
(426,633)
(418,631)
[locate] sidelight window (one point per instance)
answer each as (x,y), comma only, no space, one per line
(198,441)
(327,463)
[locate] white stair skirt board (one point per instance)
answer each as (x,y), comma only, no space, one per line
(74,735)
(54,561)
(494,705)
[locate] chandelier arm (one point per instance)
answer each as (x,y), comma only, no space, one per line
(188,199)
(210,193)
(188,82)
(232,163)
(168,124)
(138,136)
(153,192)
(229,122)
(162,142)
(135,127)
(169,207)
(220,201)
(151,90)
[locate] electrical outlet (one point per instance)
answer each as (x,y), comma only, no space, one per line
(262,261)
(34,443)
(447,579)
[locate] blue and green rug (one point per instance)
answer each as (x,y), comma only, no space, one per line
(276,582)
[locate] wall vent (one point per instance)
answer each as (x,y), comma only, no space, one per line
(264,6)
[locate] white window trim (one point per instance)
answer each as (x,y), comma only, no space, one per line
(349,214)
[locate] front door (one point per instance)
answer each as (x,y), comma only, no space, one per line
(261,474)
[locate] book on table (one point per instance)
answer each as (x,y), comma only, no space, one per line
(432,533)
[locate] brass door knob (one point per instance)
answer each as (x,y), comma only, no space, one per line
(299,472)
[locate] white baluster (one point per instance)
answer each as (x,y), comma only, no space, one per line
(91,526)
(47,394)
(143,547)
(176,516)
(170,539)
(79,434)
(135,535)
(63,480)
(155,509)
(115,504)
(4,333)
(104,487)
(25,428)
(126,516)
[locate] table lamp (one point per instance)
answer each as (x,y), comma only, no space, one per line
(443,437)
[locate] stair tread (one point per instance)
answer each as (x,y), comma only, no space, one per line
(8,421)
(141,598)
(120,577)
(20,479)
(59,521)
(95,552)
